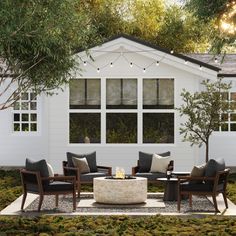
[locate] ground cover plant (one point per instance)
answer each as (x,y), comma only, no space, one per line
(10,189)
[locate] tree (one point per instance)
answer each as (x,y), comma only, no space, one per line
(150,20)
(203,111)
(37,40)
(223,14)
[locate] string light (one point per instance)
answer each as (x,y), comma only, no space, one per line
(131,63)
(216,60)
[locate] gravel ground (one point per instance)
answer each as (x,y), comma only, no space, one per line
(200,204)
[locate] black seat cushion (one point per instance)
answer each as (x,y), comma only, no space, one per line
(91,159)
(88,177)
(151,176)
(58,186)
(196,187)
(145,160)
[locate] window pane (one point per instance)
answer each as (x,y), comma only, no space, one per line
(93,92)
(121,93)
(16,106)
(25,96)
(33,106)
(33,127)
(25,117)
(158,127)
(24,106)
(129,91)
(224,127)
(158,93)
(33,96)
(16,127)
(16,117)
(85,94)
(121,128)
(25,127)
(33,117)
(113,92)
(85,126)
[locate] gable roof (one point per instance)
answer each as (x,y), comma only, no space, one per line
(179,55)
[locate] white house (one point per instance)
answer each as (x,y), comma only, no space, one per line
(122,102)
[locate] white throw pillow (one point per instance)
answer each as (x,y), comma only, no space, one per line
(82,164)
(159,163)
(50,170)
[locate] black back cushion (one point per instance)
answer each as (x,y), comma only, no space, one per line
(91,159)
(40,166)
(145,160)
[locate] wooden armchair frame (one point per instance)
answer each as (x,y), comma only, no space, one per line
(66,169)
(40,190)
(220,176)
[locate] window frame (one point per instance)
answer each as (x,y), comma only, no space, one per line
(139,111)
(37,111)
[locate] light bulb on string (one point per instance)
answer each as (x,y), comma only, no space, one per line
(144,70)
(172,51)
(131,64)
(85,63)
(157,63)
(111,64)
(98,70)
(185,62)
(200,68)
(216,60)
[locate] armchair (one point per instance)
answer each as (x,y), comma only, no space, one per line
(69,169)
(203,185)
(34,182)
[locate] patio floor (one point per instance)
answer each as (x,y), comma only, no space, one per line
(87,206)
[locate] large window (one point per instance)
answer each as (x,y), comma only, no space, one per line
(158,93)
(158,127)
(122,110)
(229,119)
(121,93)
(85,94)
(121,128)
(25,113)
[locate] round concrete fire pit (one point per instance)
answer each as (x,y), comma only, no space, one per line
(120,191)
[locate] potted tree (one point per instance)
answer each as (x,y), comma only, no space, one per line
(204,111)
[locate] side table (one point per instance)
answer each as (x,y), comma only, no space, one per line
(171,188)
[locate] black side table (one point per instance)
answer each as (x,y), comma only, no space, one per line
(171,188)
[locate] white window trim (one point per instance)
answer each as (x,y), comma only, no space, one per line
(38,111)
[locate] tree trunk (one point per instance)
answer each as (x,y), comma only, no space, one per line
(207,151)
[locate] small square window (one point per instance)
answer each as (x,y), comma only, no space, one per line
(16,127)
(33,106)
(224,127)
(33,127)
(16,117)
(33,96)
(233,127)
(33,117)
(24,106)
(25,117)
(25,96)
(16,106)
(25,127)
